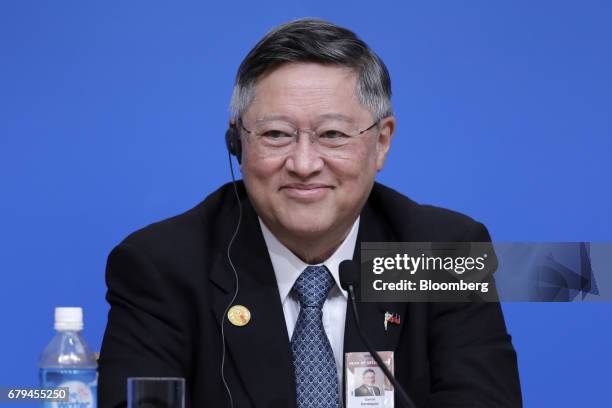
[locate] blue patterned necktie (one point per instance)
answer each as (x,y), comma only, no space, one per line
(316,377)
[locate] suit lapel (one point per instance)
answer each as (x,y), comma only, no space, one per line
(260,350)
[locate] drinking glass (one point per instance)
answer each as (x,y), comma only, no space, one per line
(156,392)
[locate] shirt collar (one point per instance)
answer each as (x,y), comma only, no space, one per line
(288,267)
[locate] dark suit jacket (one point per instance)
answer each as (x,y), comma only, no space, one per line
(169,284)
(363,391)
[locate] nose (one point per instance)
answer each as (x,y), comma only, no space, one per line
(304,160)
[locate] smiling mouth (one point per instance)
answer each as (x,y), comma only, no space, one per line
(306,191)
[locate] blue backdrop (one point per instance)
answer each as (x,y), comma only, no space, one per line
(112,116)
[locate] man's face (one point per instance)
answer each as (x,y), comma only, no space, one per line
(303,193)
(369,378)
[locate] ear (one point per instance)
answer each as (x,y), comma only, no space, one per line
(383,142)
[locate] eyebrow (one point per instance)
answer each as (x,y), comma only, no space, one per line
(325,116)
(271,118)
(337,116)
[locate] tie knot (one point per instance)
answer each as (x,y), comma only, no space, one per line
(313,285)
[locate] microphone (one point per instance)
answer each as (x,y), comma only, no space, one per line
(349,280)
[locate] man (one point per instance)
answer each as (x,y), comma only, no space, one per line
(368,388)
(240,295)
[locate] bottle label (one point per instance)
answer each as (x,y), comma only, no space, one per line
(81,383)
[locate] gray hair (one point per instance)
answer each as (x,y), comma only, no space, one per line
(314,40)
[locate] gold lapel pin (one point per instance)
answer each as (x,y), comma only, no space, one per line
(239,315)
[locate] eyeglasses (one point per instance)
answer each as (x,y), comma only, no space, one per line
(277,138)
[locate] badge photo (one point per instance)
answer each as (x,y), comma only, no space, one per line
(366,384)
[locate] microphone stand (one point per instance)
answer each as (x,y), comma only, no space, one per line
(396,385)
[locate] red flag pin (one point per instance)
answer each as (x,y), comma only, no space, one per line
(393,318)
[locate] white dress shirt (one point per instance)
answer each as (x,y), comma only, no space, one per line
(287,267)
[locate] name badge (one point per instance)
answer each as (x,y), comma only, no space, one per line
(366,384)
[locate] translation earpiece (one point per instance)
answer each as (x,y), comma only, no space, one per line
(232,140)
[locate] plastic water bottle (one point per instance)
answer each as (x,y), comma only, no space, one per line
(67,361)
